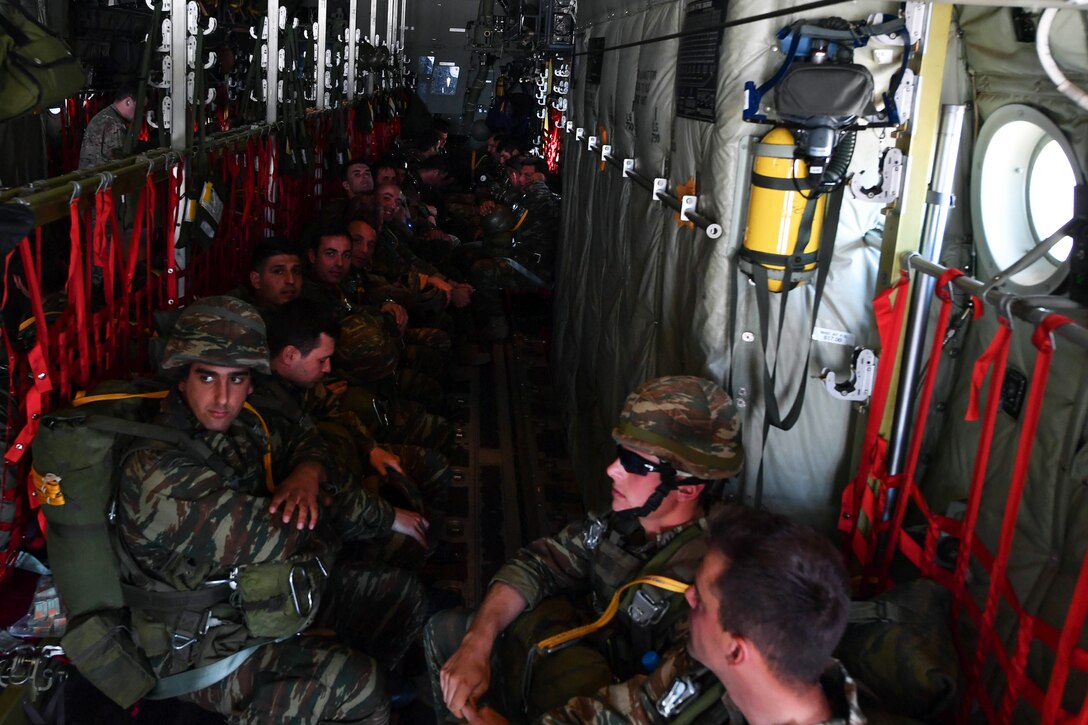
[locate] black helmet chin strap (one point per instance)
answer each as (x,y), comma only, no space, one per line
(626,521)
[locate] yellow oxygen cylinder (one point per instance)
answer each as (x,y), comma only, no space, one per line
(780,193)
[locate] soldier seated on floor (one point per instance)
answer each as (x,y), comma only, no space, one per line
(676,437)
(275,276)
(191,518)
(768,605)
(520,256)
(302,336)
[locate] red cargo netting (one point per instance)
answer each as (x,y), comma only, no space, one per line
(874,538)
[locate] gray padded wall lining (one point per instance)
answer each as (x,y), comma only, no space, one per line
(637,296)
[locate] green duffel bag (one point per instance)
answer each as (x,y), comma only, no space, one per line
(37,69)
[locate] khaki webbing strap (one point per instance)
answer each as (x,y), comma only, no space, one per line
(267,457)
(83,399)
(551,644)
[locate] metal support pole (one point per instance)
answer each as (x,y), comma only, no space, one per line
(271,105)
(373,41)
(322,44)
(938,202)
(390,23)
(1031,309)
(353,46)
(399,68)
(179,101)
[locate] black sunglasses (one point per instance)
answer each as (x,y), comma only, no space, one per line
(636,465)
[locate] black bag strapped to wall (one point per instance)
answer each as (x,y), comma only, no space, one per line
(37,69)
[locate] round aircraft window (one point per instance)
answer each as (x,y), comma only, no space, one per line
(1023,176)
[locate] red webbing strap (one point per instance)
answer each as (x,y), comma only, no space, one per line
(859,495)
(232,170)
(77,292)
(996,356)
(249,183)
(1078,606)
(32,275)
(106,236)
(1043,340)
(908,490)
(174,210)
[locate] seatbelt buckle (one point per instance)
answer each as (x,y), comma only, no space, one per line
(644,610)
(683,690)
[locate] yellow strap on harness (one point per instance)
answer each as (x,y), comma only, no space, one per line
(267,457)
(518,225)
(551,644)
(83,399)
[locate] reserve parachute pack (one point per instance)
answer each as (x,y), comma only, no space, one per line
(37,70)
(78,453)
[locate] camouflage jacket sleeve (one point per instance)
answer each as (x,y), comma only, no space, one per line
(294,436)
(328,406)
(549,565)
(103,138)
(173,504)
(634,701)
(358,515)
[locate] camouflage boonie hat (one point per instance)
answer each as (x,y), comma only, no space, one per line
(218,331)
(365,352)
(688,421)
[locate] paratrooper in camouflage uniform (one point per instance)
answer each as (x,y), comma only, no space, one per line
(302,337)
(675,436)
(769,602)
(105,133)
(522,255)
(186,522)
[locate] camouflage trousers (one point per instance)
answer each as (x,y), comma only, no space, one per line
(580,669)
(371,607)
(423,488)
(427,350)
(409,422)
(492,275)
(403,421)
(414,385)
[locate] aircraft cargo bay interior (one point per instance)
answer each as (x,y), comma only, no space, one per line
(543,361)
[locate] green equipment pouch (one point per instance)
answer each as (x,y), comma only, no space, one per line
(101,648)
(37,69)
(279,599)
(899,646)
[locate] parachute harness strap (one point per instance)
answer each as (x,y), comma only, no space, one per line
(563,639)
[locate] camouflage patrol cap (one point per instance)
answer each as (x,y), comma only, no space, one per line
(688,421)
(218,331)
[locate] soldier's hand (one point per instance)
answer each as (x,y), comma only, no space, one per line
(465,677)
(411,524)
(400,315)
(381,460)
(298,494)
(486,207)
(461,295)
(483,716)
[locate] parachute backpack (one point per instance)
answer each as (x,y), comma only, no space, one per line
(77,453)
